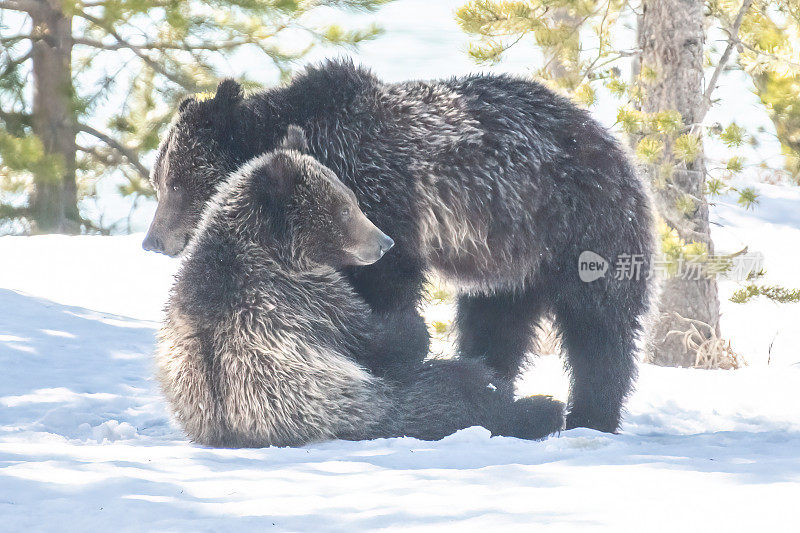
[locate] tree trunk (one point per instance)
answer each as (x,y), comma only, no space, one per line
(54,201)
(671,37)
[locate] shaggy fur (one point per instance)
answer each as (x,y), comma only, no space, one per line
(494,183)
(264,337)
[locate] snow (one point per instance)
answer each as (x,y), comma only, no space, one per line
(86,442)
(772,228)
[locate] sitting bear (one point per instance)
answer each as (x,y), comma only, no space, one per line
(494,183)
(264,338)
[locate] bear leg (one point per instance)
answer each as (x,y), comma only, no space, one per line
(393,289)
(600,347)
(498,328)
(534,418)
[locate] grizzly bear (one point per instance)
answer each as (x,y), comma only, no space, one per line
(493,183)
(263,338)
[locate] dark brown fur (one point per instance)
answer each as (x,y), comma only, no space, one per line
(493,182)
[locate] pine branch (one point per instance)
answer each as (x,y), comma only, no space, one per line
(13,62)
(103,3)
(8,211)
(15,121)
(13,39)
(767,54)
(98,3)
(184,82)
(26,6)
(215,47)
(129,154)
(733,40)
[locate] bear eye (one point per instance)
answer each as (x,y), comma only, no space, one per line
(345,212)
(175,187)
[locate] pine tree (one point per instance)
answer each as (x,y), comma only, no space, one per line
(662,108)
(769,50)
(61,59)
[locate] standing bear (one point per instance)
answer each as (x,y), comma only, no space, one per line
(263,335)
(494,183)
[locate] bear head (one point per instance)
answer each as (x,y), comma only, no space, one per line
(195,155)
(301,208)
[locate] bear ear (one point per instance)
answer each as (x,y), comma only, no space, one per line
(185,103)
(229,92)
(295,139)
(281,175)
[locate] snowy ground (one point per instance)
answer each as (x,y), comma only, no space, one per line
(86,444)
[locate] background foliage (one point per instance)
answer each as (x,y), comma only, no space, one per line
(127,64)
